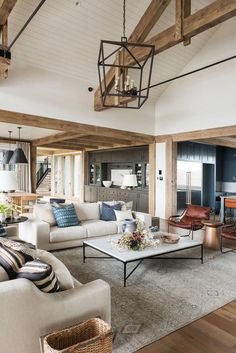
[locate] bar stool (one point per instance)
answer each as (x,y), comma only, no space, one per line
(230,204)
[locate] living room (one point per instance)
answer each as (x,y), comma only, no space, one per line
(88,191)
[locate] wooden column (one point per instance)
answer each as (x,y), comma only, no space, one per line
(84,173)
(171,178)
(33,167)
(152,178)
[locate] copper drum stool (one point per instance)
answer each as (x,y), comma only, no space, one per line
(211,239)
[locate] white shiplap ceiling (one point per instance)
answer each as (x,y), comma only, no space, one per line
(64,38)
(27,132)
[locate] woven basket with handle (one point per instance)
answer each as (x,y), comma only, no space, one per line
(91,336)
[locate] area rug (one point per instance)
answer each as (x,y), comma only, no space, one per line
(161,296)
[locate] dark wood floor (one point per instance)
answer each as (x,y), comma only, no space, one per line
(214,333)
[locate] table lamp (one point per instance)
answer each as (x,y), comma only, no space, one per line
(8,181)
(130,181)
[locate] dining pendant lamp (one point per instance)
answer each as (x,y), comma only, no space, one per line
(8,153)
(18,155)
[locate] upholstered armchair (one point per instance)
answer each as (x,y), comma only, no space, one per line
(228,234)
(191,219)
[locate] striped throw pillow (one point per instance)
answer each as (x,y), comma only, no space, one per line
(66,216)
(41,274)
(20,245)
(12,260)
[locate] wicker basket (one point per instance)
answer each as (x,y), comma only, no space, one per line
(92,336)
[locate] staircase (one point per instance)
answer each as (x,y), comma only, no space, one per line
(44,189)
(44,178)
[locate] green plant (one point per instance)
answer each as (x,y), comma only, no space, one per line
(5,208)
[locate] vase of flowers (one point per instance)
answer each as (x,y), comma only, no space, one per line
(138,239)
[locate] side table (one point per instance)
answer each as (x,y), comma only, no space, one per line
(11,221)
(211,239)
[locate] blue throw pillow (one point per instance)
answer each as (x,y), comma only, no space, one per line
(107,212)
(66,216)
(3,232)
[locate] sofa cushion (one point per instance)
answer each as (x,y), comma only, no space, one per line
(62,273)
(45,213)
(58,235)
(87,211)
(108,211)
(66,216)
(41,274)
(99,228)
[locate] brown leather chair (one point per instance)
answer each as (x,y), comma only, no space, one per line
(229,234)
(191,219)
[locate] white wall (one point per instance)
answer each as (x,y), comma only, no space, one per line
(206,99)
(203,100)
(35,91)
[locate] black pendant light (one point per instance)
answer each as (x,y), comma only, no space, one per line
(7,155)
(130,87)
(18,155)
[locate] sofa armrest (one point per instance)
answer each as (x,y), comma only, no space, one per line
(32,314)
(146,218)
(35,231)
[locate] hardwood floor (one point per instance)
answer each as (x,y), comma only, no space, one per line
(214,333)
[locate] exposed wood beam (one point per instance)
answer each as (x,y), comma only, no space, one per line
(65,147)
(6,6)
(63,136)
(100,140)
(179,15)
(218,142)
(186,13)
(139,34)
(207,17)
(82,141)
(199,134)
(72,127)
(12,140)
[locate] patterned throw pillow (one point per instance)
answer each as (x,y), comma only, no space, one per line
(107,212)
(66,216)
(12,260)
(20,245)
(3,232)
(41,274)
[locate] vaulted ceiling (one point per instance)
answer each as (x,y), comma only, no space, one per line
(64,38)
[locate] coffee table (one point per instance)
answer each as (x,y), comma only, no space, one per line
(104,245)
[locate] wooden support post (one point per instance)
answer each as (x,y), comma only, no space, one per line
(84,173)
(171,178)
(152,179)
(179,12)
(33,167)
(186,12)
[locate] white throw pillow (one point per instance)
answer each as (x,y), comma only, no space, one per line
(45,213)
(122,215)
(127,206)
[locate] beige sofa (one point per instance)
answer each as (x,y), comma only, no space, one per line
(28,313)
(42,231)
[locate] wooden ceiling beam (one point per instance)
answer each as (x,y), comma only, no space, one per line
(63,136)
(207,17)
(6,6)
(64,146)
(218,142)
(101,140)
(139,34)
(22,119)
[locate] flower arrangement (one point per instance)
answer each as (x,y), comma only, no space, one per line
(138,240)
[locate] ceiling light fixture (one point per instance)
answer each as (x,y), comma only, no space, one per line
(131,76)
(18,155)
(8,153)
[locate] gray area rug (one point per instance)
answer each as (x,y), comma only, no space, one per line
(161,296)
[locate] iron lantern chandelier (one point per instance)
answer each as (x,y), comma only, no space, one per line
(130,82)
